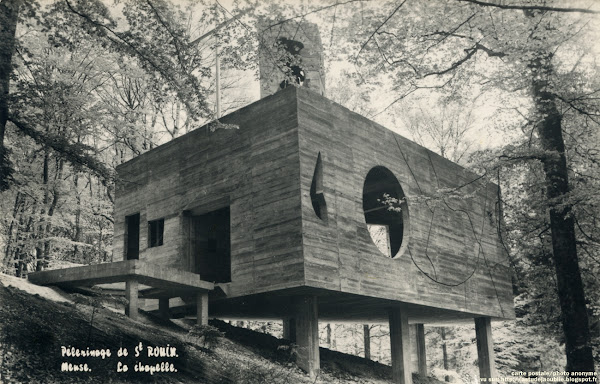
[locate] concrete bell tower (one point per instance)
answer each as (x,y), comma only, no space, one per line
(290,54)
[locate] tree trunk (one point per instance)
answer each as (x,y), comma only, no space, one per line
(12,229)
(77,234)
(39,254)
(367,340)
(19,266)
(9,11)
(445,353)
(564,250)
(39,259)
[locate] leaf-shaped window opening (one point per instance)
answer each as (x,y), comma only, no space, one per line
(317,197)
(293,62)
(386,211)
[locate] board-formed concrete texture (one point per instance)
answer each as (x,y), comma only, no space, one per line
(283,197)
(276,42)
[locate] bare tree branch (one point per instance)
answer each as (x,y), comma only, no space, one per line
(378,28)
(530,7)
(311,12)
(470,53)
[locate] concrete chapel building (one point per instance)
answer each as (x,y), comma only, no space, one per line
(308,212)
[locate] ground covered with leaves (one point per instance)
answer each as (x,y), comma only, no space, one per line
(34,330)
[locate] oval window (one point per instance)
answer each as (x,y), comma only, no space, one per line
(386,211)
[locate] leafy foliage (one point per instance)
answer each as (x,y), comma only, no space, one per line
(91,87)
(209,335)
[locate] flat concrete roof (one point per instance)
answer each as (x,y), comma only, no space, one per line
(169,281)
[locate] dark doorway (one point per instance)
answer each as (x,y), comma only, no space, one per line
(132,237)
(213,246)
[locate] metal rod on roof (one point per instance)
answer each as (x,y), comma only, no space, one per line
(218,80)
(223,24)
(217,61)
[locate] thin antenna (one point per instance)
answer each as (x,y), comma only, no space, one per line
(218,80)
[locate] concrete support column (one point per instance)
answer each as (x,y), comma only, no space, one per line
(421,355)
(400,344)
(163,307)
(307,334)
(202,308)
(289,329)
(485,347)
(131,294)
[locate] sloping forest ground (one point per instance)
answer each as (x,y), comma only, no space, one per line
(36,324)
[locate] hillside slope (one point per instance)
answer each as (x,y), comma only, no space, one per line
(38,334)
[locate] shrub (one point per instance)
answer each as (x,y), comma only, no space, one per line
(209,336)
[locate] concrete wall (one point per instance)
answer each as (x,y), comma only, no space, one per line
(254,169)
(264,170)
(443,237)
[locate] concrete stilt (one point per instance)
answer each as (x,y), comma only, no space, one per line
(202,308)
(307,334)
(421,355)
(131,294)
(289,329)
(163,307)
(400,344)
(485,348)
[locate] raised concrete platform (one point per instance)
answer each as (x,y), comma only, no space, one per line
(157,277)
(163,283)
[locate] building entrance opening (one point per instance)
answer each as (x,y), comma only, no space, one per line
(213,246)
(132,237)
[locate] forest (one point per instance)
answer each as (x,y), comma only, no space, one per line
(507,88)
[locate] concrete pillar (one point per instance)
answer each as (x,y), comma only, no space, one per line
(400,344)
(421,355)
(307,334)
(485,347)
(289,329)
(202,308)
(163,307)
(131,294)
